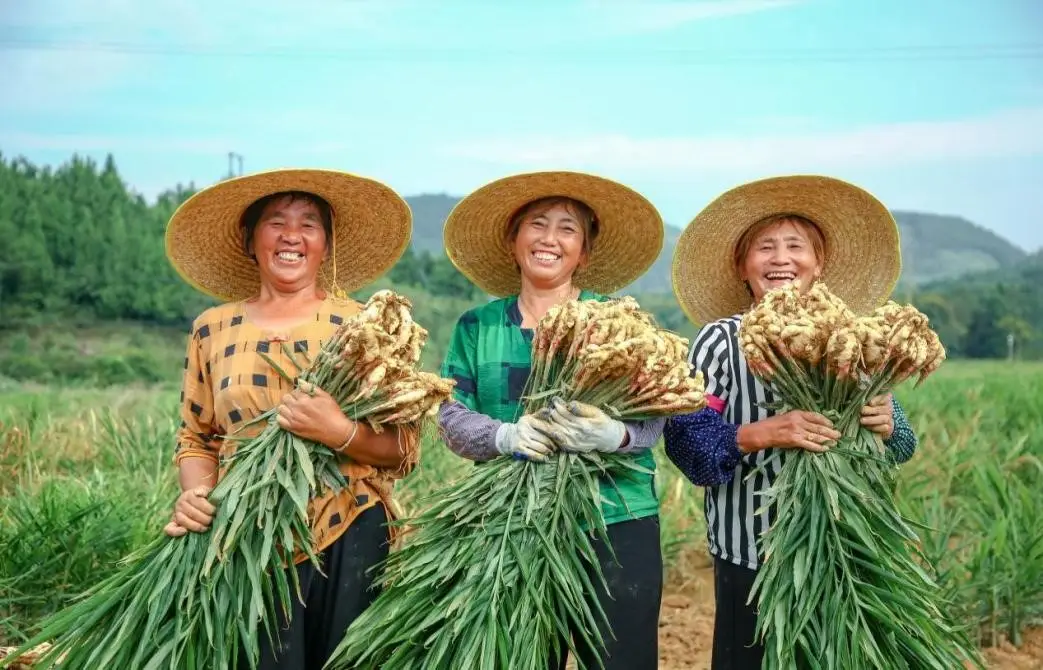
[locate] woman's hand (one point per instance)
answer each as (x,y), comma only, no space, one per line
(792,430)
(192,512)
(879,416)
(313,414)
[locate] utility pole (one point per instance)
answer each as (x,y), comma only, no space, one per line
(232,156)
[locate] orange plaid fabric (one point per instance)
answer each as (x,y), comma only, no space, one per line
(227,384)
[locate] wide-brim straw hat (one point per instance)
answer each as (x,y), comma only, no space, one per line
(629,240)
(862,253)
(371,230)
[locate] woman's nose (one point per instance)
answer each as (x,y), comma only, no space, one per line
(290,234)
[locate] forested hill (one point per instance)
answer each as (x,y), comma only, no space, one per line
(79,247)
(78,243)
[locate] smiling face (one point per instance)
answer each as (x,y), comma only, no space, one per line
(780,251)
(289,242)
(551,240)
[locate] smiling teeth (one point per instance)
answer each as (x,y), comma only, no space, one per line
(290,255)
(780,275)
(544,256)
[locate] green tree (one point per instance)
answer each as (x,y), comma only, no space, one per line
(445,280)
(408,271)
(1021,330)
(985,338)
(942,318)
(26,272)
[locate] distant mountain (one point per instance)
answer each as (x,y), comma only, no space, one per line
(429,213)
(938,247)
(934,247)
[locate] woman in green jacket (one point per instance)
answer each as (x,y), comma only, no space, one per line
(534,241)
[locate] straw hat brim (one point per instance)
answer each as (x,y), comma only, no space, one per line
(862,253)
(371,230)
(629,240)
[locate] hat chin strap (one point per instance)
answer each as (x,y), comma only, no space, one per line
(335,289)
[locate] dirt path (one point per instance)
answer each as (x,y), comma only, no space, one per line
(686,631)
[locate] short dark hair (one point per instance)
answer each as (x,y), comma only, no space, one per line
(252,216)
(749,236)
(584,214)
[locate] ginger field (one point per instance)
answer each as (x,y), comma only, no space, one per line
(86,476)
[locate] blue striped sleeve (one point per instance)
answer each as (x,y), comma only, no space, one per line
(468,433)
(642,435)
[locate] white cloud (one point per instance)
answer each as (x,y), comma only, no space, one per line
(50,81)
(185,23)
(322,22)
(68,52)
(105,20)
(639,17)
(1014,132)
(71,51)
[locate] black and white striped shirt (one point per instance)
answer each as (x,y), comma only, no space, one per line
(704,445)
(732,518)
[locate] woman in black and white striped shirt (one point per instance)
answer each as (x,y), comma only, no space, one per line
(751,239)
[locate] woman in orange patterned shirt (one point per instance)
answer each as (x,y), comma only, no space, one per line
(269,245)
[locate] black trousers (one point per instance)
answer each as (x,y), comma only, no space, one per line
(735,622)
(331,601)
(635,592)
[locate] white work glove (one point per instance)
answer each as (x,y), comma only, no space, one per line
(522,441)
(576,426)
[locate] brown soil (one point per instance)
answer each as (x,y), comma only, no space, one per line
(686,620)
(686,631)
(1027,657)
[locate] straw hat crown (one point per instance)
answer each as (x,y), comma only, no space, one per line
(371,230)
(862,253)
(630,234)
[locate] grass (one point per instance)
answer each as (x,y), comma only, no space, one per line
(977,481)
(86,476)
(99,354)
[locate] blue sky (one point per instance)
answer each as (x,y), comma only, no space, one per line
(934,105)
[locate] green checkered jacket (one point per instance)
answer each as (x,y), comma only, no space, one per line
(490,356)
